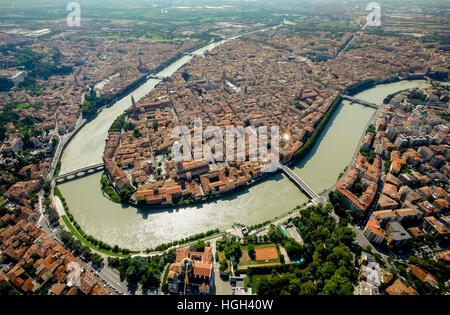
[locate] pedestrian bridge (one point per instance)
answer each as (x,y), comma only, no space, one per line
(80,173)
(299,182)
(362,102)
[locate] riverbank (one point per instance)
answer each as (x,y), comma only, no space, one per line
(116,251)
(309,144)
(85,239)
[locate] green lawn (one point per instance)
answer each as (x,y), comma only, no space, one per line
(22,106)
(260,262)
(57,169)
(223,258)
(266,245)
(108,190)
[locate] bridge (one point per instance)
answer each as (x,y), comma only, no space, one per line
(362,102)
(299,182)
(80,172)
(155,77)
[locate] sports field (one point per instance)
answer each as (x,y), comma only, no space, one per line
(268,253)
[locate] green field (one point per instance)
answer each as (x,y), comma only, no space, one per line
(22,106)
(108,190)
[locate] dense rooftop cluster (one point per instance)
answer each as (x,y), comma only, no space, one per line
(414,197)
(264,80)
(35,263)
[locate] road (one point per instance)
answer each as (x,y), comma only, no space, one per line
(109,277)
(114,284)
(62,141)
(351,40)
(221,287)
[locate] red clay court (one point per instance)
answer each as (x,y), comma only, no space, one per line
(268,253)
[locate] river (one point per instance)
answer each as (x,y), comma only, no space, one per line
(137,229)
(322,166)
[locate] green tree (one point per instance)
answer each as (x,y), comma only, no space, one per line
(96,259)
(337,285)
(136,268)
(185,76)
(137,134)
(88,110)
(251,251)
(151,276)
(199,246)
(326,270)
(275,234)
(223,265)
(126,192)
(5,85)
(371,128)
(308,288)
(345,235)
(7,289)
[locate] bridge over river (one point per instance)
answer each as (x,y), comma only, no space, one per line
(299,182)
(80,172)
(362,102)
(155,77)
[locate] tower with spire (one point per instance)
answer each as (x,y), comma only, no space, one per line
(134,112)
